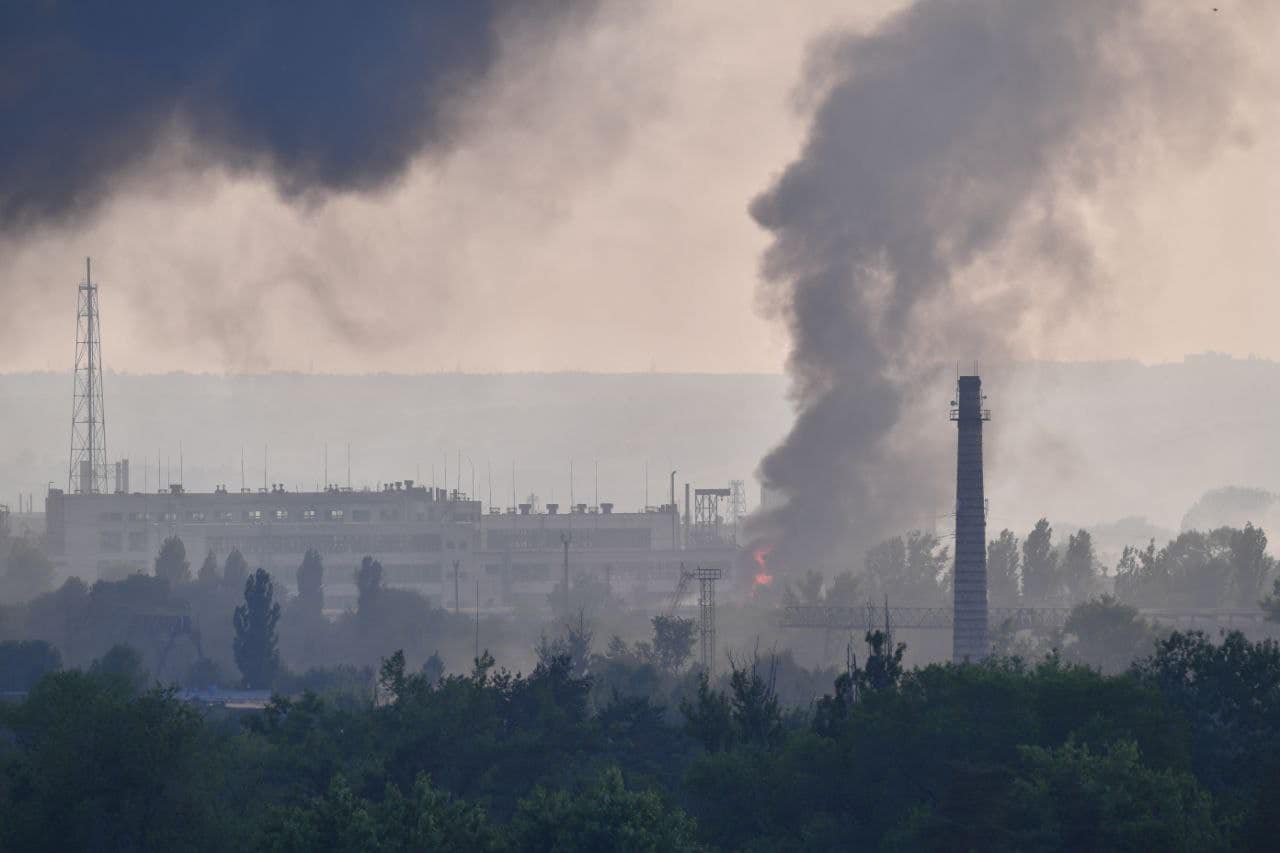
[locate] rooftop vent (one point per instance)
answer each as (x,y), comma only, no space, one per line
(552,509)
(606,508)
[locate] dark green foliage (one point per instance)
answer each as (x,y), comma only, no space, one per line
(1106,634)
(23,662)
(604,816)
(256,643)
(673,639)
(122,665)
(96,766)
(234,571)
(28,572)
(171,562)
(1226,567)
(208,574)
(311,583)
(910,571)
(1004,570)
(1041,582)
(1181,753)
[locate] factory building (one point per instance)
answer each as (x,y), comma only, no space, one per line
(437,543)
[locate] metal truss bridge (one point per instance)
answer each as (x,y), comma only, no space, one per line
(871,616)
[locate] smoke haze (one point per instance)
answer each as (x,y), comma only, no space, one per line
(321,99)
(945,207)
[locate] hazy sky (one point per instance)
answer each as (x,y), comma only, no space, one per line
(591,214)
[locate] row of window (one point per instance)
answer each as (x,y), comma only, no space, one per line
(355,543)
(549,540)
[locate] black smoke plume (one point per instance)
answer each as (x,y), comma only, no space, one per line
(937,211)
(325,96)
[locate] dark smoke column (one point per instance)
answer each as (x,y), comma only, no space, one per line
(969,640)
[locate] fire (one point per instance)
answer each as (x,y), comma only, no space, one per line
(761,556)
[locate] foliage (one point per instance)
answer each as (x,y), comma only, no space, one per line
(28,572)
(605,816)
(256,642)
(171,562)
(1226,567)
(673,641)
(234,571)
(208,574)
(311,583)
(23,662)
(1107,634)
(1040,573)
(1003,569)
(123,665)
(912,570)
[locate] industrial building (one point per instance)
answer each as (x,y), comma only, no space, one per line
(437,543)
(441,544)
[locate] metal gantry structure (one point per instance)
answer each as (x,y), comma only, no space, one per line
(87,470)
(707,611)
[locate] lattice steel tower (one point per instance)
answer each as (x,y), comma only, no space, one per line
(87,472)
(969,637)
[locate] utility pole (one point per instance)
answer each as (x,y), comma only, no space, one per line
(675,516)
(565,539)
(456,603)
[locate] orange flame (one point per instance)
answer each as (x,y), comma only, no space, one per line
(761,556)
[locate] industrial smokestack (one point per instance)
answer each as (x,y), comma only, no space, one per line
(969,637)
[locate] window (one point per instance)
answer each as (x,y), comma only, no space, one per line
(308,515)
(337,514)
(226,515)
(166,516)
(359,515)
(280,514)
(109,541)
(196,517)
(111,516)
(137,516)
(253,515)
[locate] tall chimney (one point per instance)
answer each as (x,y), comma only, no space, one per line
(969,637)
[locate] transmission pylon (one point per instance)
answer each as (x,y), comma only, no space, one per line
(707,606)
(87,471)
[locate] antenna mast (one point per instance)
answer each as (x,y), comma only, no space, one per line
(87,470)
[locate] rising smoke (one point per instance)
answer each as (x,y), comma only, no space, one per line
(940,211)
(323,96)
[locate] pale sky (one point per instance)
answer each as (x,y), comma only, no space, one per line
(593,216)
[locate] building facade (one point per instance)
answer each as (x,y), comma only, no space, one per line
(436,543)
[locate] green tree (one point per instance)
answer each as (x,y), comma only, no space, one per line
(1003,569)
(605,816)
(255,644)
(208,574)
(708,717)
(368,587)
(1075,798)
(311,583)
(673,639)
(23,662)
(171,562)
(235,570)
(844,591)
(1107,634)
(1040,581)
(123,664)
(1079,567)
(1271,604)
(28,572)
